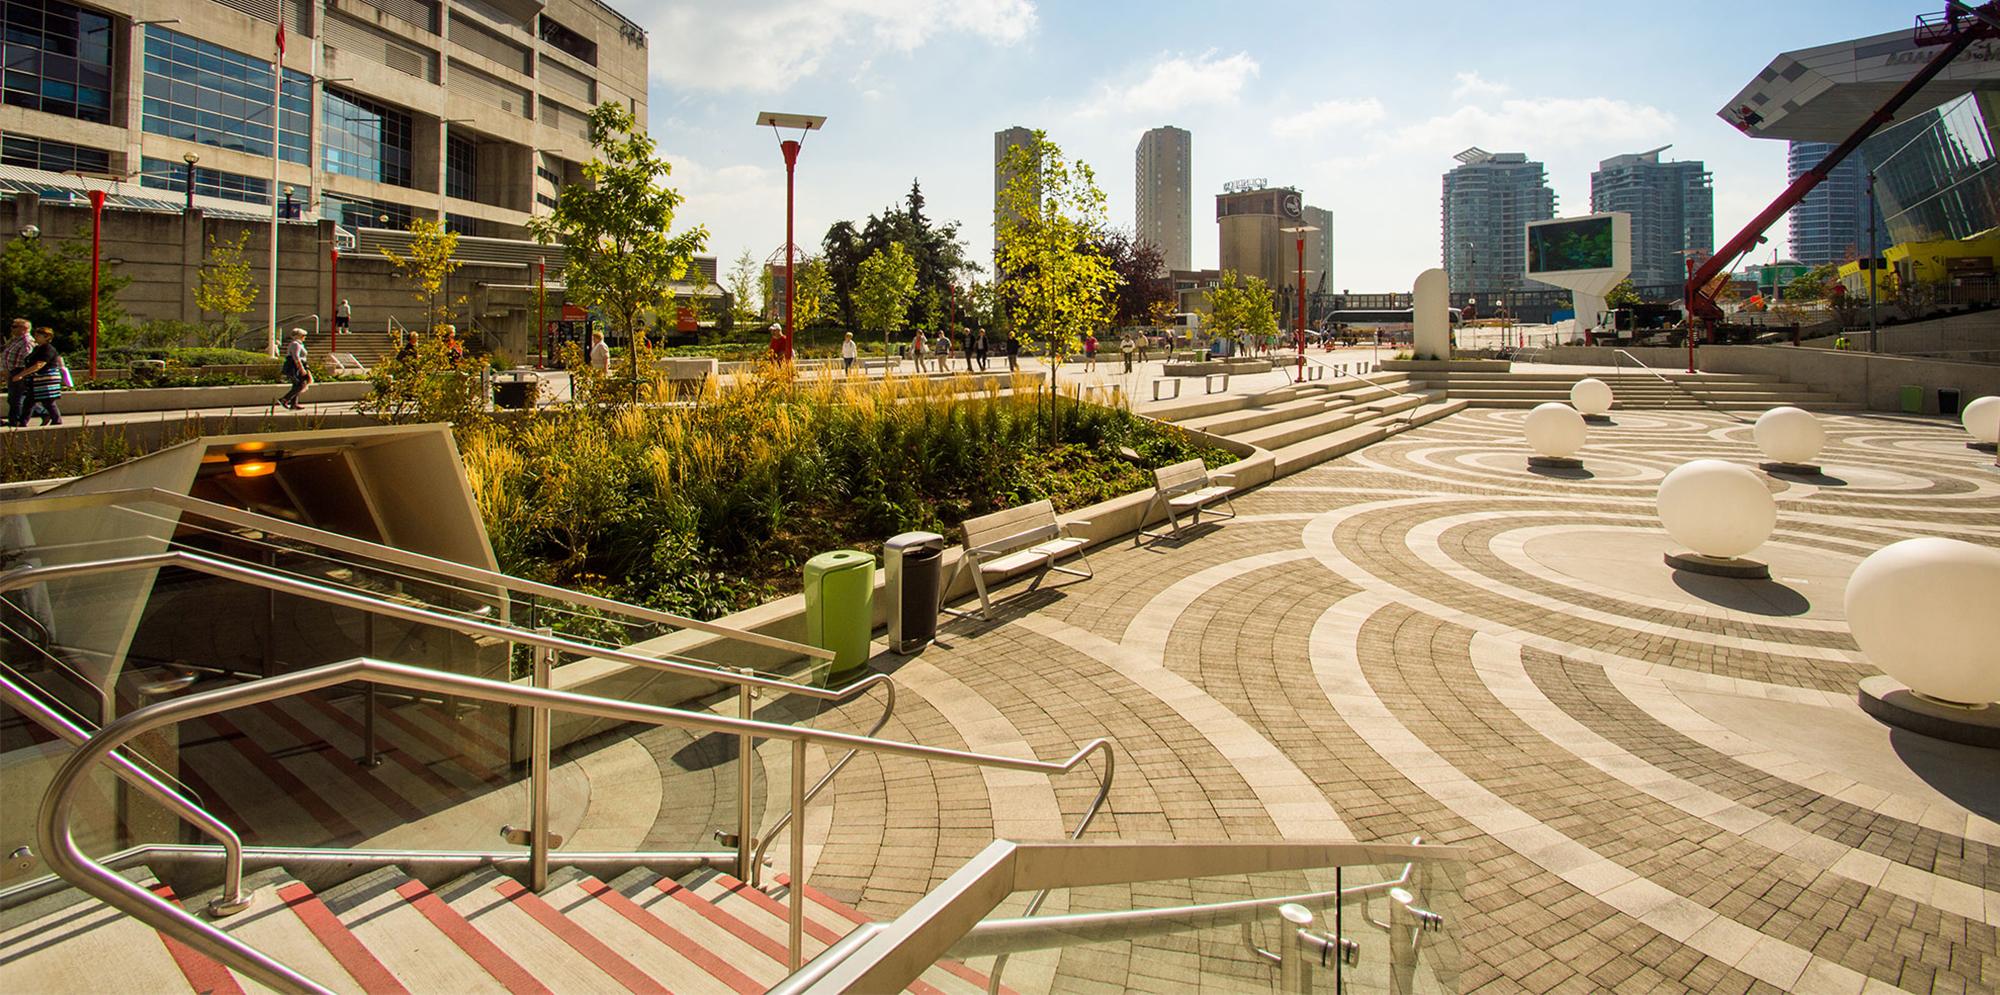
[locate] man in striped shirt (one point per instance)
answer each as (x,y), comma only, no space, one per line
(20,342)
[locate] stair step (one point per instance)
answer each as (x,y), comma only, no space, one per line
(1318,450)
(1230,423)
(67,950)
(1287,432)
(531,932)
(642,890)
(947,975)
(654,945)
(422,956)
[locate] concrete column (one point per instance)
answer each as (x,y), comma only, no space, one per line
(1430,300)
(194,243)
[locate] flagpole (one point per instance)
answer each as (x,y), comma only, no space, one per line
(277,134)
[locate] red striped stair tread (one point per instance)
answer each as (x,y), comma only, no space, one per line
(203,974)
(390,751)
(676,940)
(766,945)
(840,908)
(355,773)
(355,958)
(288,783)
(579,939)
(490,957)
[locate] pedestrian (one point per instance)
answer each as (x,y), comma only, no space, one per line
(295,369)
(408,350)
(979,349)
(1126,346)
(847,354)
(944,352)
(43,376)
(454,350)
(917,350)
(600,354)
(14,356)
(1142,337)
(1089,352)
(342,315)
(1013,353)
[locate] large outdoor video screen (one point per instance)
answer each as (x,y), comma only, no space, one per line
(1569,245)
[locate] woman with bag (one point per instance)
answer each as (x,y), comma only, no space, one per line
(295,369)
(43,376)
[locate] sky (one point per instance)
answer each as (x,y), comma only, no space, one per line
(1361,105)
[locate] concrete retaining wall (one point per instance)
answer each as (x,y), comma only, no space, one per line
(1874,381)
(175,399)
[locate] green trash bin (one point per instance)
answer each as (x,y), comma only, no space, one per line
(840,608)
(1913,399)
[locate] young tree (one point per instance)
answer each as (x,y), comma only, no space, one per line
(815,289)
(886,283)
(744,283)
(51,286)
(620,257)
(1053,282)
(1622,295)
(430,264)
(223,285)
(1241,306)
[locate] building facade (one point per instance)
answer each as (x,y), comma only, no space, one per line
(1831,224)
(1319,250)
(1672,205)
(1252,242)
(1487,204)
(1164,198)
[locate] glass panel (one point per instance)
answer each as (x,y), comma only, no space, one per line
(226,94)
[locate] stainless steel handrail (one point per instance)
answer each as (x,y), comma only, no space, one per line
(232,900)
(1619,371)
(756,868)
(417,561)
(68,861)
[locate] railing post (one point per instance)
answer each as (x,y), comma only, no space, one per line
(796,927)
(1298,952)
(745,746)
(370,756)
(538,775)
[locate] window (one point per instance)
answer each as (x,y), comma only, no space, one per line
(166,174)
(364,139)
(56,157)
(361,212)
(569,42)
(548,174)
(461,167)
(459,224)
(201,92)
(57,59)
(546,201)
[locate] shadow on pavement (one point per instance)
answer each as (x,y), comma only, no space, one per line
(1968,775)
(1758,597)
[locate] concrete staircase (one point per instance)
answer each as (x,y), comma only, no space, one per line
(1642,390)
(1304,424)
(387,932)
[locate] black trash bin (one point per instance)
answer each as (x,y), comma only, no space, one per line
(914,564)
(518,389)
(1947,400)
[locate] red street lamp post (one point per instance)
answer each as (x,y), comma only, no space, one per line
(790,147)
(1299,323)
(96,243)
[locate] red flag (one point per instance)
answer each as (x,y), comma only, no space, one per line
(281,41)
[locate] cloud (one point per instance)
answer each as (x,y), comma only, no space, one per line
(1533,124)
(768,45)
(1175,83)
(1329,114)
(1471,86)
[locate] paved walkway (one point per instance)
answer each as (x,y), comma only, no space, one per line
(1665,782)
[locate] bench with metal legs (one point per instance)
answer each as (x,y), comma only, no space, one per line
(1006,543)
(1186,487)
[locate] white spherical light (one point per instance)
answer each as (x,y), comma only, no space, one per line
(1789,435)
(1591,396)
(1717,509)
(1923,611)
(1554,430)
(1982,419)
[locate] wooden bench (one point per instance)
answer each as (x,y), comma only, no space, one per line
(1186,487)
(1006,543)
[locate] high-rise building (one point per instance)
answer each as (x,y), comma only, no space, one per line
(1252,242)
(1319,249)
(460,110)
(1003,140)
(1831,224)
(1488,201)
(1164,198)
(1672,206)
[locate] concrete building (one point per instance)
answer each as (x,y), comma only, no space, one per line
(470,111)
(1003,140)
(1487,204)
(1831,224)
(1672,205)
(1319,250)
(1161,189)
(1250,217)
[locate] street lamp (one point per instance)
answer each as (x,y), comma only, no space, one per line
(96,245)
(1299,323)
(790,147)
(190,158)
(290,212)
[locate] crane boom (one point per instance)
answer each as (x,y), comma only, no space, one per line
(1958,28)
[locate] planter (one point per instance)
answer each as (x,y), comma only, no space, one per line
(1446,365)
(98,402)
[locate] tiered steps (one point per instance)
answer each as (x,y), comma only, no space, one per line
(1668,390)
(1304,424)
(481,932)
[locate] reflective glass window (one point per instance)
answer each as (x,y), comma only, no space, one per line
(166,174)
(365,139)
(57,59)
(201,92)
(56,157)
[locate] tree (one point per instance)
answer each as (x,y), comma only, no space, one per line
(51,286)
(743,291)
(620,257)
(936,249)
(1810,285)
(1622,295)
(887,282)
(430,264)
(814,291)
(1053,282)
(223,285)
(1241,306)
(1142,278)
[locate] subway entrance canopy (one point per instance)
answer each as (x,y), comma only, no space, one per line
(1821,94)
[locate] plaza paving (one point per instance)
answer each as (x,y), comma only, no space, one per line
(1665,782)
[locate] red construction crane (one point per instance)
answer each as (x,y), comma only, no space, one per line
(1956,28)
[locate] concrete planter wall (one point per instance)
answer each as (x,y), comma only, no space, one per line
(98,402)
(1874,381)
(1445,365)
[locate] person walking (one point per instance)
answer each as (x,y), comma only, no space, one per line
(979,349)
(1089,352)
(944,352)
(600,354)
(1013,352)
(847,353)
(343,315)
(1141,343)
(295,369)
(14,356)
(1128,348)
(917,350)
(42,376)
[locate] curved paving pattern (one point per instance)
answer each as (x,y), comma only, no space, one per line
(1664,785)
